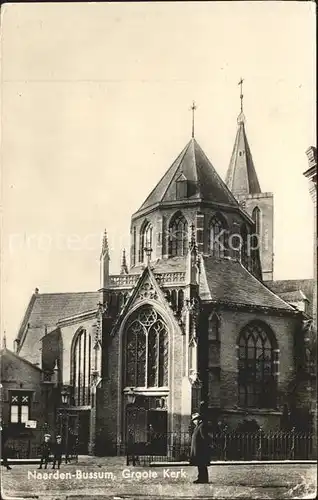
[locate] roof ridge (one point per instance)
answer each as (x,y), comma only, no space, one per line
(175,161)
(219,178)
(21,358)
(64,293)
(181,155)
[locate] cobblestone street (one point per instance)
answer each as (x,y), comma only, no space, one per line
(110,478)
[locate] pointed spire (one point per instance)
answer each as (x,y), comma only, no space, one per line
(124,268)
(193,108)
(105,247)
(241,177)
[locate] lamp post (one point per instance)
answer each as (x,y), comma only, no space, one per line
(64,396)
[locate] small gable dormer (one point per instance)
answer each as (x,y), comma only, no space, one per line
(181,187)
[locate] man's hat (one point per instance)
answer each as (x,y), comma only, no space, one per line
(195,416)
(47,435)
(58,436)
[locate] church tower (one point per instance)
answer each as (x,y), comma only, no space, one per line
(242,180)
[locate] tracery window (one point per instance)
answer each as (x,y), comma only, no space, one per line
(218,237)
(146,350)
(145,240)
(257,364)
(178,236)
(81,363)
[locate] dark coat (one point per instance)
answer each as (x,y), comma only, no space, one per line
(200,446)
(46,449)
(57,449)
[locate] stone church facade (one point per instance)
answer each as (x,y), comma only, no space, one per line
(192,318)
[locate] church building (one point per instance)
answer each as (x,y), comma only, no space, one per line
(192,316)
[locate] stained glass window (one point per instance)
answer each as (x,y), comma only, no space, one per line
(178,236)
(81,363)
(146,350)
(218,243)
(256,379)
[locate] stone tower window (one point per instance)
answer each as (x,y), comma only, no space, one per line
(178,236)
(257,366)
(81,363)
(146,350)
(256,216)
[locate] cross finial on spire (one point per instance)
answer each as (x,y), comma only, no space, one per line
(241,116)
(193,108)
(241,95)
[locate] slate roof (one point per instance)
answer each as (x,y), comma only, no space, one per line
(171,265)
(241,177)
(227,281)
(306,286)
(10,354)
(204,183)
(44,310)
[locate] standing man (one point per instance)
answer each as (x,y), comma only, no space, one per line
(57,452)
(45,451)
(200,448)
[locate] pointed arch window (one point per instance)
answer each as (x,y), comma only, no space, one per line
(178,236)
(244,246)
(218,237)
(145,240)
(146,350)
(81,362)
(256,216)
(257,365)
(213,327)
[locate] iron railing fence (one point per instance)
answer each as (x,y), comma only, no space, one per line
(29,447)
(279,445)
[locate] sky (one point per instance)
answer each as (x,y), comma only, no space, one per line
(95,102)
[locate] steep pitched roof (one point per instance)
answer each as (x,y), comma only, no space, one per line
(44,310)
(10,354)
(204,183)
(227,281)
(306,286)
(241,177)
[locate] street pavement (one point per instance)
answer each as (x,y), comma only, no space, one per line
(110,478)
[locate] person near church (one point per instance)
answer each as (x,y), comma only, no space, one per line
(57,452)
(4,450)
(45,451)
(200,448)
